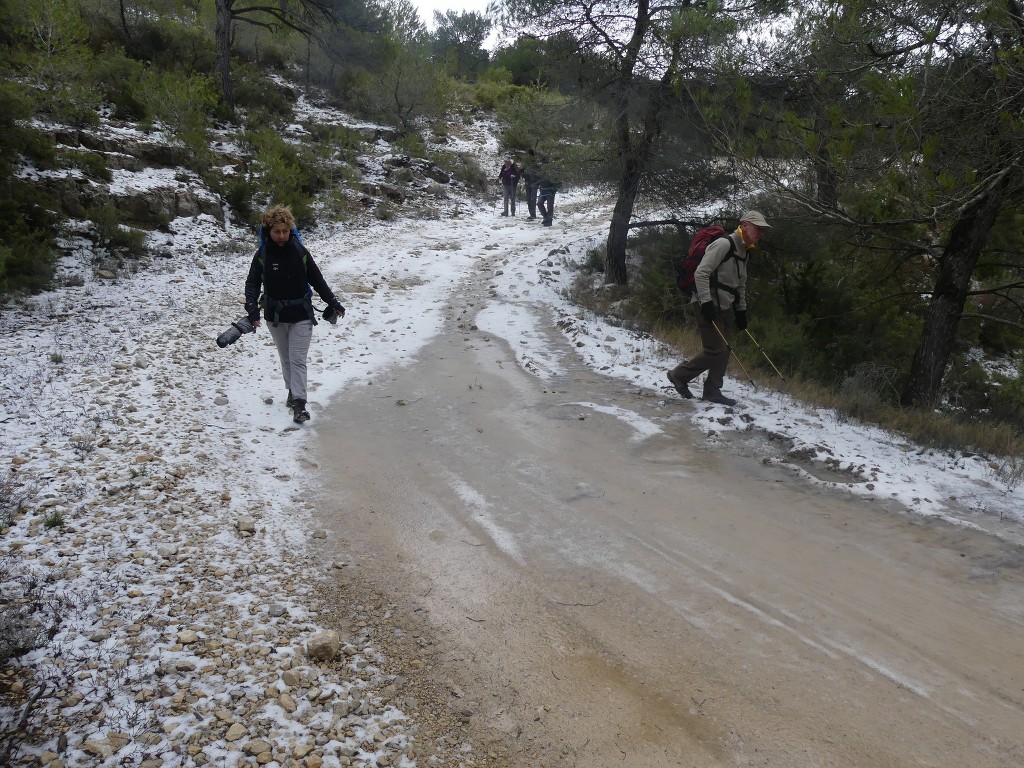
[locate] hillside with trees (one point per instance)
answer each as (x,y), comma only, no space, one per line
(881,139)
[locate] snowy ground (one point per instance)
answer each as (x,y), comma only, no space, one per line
(166,532)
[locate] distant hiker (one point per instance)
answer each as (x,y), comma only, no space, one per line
(546,198)
(509,178)
(531,177)
(286,271)
(720,284)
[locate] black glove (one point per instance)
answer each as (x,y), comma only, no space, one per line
(708,310)
(334,311)
(741,319)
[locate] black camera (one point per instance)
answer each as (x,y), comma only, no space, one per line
(234,333)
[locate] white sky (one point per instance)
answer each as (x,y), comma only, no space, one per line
(426,8)
(135,367)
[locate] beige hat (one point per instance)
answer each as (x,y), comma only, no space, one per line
(756,219)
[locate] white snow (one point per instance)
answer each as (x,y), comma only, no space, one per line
(126,420)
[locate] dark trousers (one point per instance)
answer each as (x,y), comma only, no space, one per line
(714,357)
(546,203)
(531,200)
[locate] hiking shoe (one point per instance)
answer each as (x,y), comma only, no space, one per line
(290,402)
(680,386)
(299,413)
(718,397)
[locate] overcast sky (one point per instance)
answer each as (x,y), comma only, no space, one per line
(426,8)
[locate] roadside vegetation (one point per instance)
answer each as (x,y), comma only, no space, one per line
(891,285)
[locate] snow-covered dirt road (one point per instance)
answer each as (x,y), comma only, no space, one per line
(589,585)
(533,553)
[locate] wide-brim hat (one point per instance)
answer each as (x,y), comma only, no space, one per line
(756,219)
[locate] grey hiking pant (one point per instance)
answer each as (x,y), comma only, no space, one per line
(714,357)
(292,340)
(510,198)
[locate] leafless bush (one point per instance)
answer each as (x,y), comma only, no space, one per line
(1008,471)
(867,390)
(83,444)
(14,495)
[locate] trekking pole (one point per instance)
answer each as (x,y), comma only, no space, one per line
(733,351)
(766,356)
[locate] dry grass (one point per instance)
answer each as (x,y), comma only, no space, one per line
(866,396)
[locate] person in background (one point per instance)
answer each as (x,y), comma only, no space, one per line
(287,273)
(509,178)
(531,178)
(546,197)
(721,285)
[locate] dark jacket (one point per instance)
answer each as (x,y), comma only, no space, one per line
(531,174)
(509,176)
(549,186)
(286,275)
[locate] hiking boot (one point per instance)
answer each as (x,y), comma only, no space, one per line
(680,386)
(299,413)
(718,397)
(290,402)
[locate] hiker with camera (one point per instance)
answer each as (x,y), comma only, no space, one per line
(714,273)
(288,275)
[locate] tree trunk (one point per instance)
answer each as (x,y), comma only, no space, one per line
(223,36)
(124,22)
(966,241)
(618,230)
(634,157)
(825,171)
(629,182)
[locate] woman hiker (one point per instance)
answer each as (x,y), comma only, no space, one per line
(287,273)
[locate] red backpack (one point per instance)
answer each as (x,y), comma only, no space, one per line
(698,245)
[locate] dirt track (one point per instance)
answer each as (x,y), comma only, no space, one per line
(583,597)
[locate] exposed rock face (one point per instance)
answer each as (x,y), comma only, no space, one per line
(146,208)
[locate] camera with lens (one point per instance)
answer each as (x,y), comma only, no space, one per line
(234,333)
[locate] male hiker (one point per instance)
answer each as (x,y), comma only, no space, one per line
(531,176)
(720,283)
(546,197)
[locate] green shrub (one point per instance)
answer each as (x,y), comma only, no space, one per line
(27,226)
(236,189)
(254,91)
(282,173)
(1006,400)
(182,103)
(118,80)
(495,88)
(173,46)
(412,144)
(92,164)
(115,237)
(462,167)
(340,137)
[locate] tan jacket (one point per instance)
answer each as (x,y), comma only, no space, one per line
(732,273)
